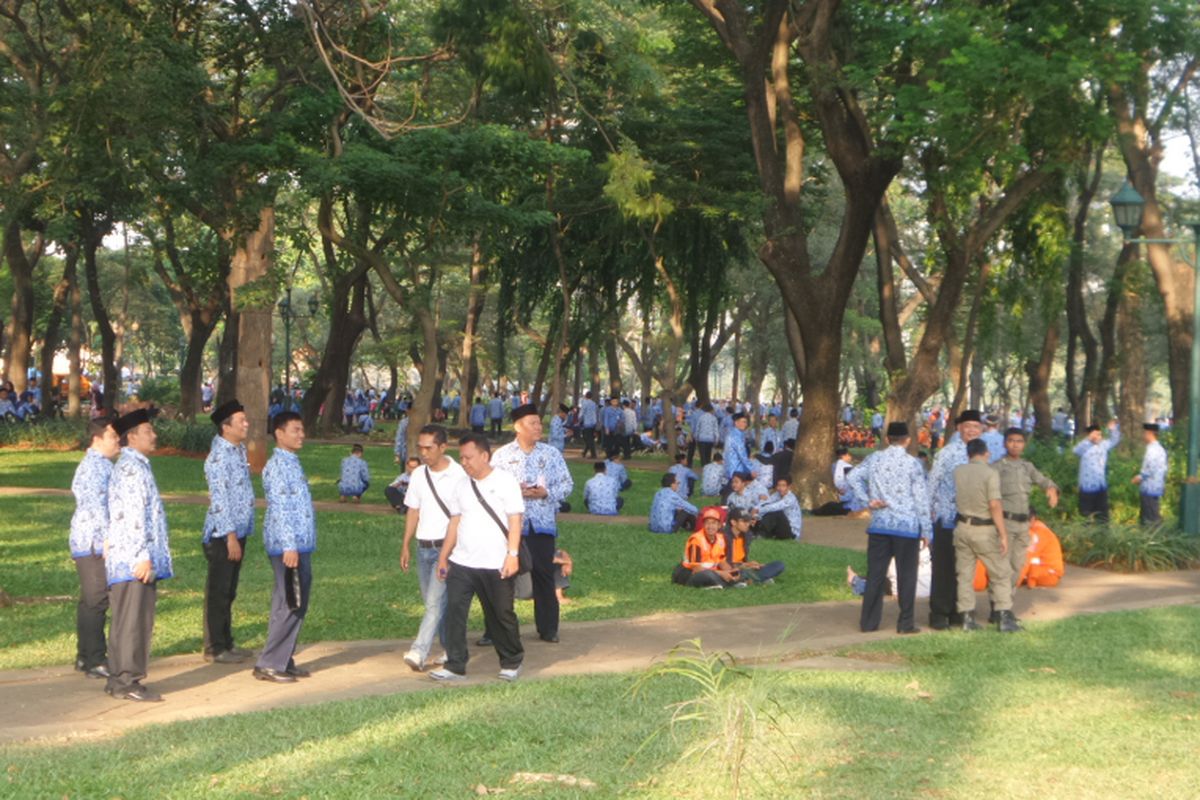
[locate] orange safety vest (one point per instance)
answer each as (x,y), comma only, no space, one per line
(699,553)
(1043,560)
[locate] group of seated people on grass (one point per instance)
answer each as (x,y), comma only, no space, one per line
(23,406)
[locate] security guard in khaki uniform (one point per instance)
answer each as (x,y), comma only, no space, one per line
(980,534)
(1017,477)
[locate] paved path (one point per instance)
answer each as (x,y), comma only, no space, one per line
(57,704)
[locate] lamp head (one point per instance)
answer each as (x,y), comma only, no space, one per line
(1127,205)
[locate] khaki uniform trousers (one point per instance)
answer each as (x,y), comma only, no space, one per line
(981,542)
(1018,548)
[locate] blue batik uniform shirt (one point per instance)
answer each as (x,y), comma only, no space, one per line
(736,457)
(790,507)
(1154,470)
(558,433)
(616,471)
(706,428)
(137,521)
(995,443)
(478,415)
(682,474)
(941,481)
(610,417)
(230,492)
(713,478)
(1093,462)
(290,523)
(600,495)
(663,507)
(896,478)
(355,477)
(587,413)
(400,445)
(89,523)
(542,466)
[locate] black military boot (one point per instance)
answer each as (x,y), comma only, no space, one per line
(969,623)
(1008,623)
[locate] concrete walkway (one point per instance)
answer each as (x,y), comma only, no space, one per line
(57,704)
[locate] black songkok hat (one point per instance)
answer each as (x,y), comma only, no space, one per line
(739,415)
(224,412)
(970,415)
(564,408)
(897,430)
(523,411)
(1150,426)
(129,421)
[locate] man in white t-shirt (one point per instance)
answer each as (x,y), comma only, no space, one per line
(429,487)
(479,559)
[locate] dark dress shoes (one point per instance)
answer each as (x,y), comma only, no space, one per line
(484,641)
(906,631)
(273,675)
(225,657)
(552,638)
(138,694)
(298,672)
(98,671)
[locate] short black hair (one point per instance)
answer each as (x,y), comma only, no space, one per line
(841,451)
(412,460)
(97,426)
(477,439)
(436,431)
(768,448)
(668,480)
(680,458)
(790,444)
(599,466)
(976,447)
(717,456)
(283,418)
(1014,432)
(787,478)
(357,448)
(743,476)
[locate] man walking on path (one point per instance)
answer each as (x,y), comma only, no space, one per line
(545,483)
(943,591)
(588,419)
(137,556)
(1152,478)
(479,558)
(229,521)
(427,518)
(89,525)
(290,537)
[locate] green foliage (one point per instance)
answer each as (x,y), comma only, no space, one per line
(1129,548)
(160,390)
(50,434)
(188,437)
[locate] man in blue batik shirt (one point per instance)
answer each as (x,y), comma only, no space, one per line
(669,512)
(496,411)
(400,445)
(943,590)
(355,476)
(891,483)
(993,438)
(589,418)
(558,428)
(705,430)
(545,484)
(1093,471)
(89,525)
(290,537)
(230,520)
(737,457)
(601,494)
(137,556)
(1152,478)
(478,418)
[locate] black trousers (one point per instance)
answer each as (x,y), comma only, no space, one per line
(706,449)
(1151,513)
(589,442)
(500,621)
(881,550)
(774,525)
(943,583)
(496,424)
(545,600)
(627,444)
(1094,505)
(132,627)
(611,442)
(220,590)
(91,650)
(395,498)
(684,521)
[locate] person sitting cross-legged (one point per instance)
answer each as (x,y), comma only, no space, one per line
(601,494)
(780,516)
(669,512)
(704,565)
(738,548)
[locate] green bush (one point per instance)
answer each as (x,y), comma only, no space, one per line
(51,434)
(161,391)
(1128,548)
(188,437)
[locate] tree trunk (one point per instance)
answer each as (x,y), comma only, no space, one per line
(1079,332)
(1107,374)
(74,343)
(59,309)
(20,326)
(1039,382)
(594,371)
(543,367)
(108,338)
(885,284)
(615,386)
(347,322)
(421,412)
(476,298)
(251,262)
(1131,408)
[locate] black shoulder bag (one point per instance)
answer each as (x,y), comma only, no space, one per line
(524,559)
(436,496)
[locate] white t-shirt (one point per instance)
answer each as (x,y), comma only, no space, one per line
(431,524)
(480,544)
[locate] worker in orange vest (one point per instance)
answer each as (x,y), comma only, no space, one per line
(704,563)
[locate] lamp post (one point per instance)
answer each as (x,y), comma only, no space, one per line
(1128,205)
(286,312)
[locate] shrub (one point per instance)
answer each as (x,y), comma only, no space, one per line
(161,391)
(51,434)
(1129,548)
(189,437)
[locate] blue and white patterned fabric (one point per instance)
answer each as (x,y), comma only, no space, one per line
(89,523)
(1093,462)
(600,495)
(588,415)
(290,523)
(542,466)
(495,408)
(355,478)
(941,480)
(616,471)
(400,446)
(682,474)
(706,428)
(478,416)
(137,521)
(558,433)
(790,428)
(773,436)
(790,507)
(712,478)
(736,457)
(1154,470)
(995,442)
(896,478)
(610,418)
(230,492)
(764,472)
(749,499)
(663,507)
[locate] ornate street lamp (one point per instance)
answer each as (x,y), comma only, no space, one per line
(287,315)
(1128,206)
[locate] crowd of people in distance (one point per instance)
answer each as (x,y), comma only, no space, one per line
(20,407)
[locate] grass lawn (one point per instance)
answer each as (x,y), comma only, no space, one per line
(359,590)
(322,463)
(1101,706)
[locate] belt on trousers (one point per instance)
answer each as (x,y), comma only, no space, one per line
(1016,517)
(972,520)
(430,544)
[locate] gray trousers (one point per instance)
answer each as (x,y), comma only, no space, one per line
(129,635)
(91,650)
(283,628)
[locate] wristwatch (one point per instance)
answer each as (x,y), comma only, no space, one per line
(514,553)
